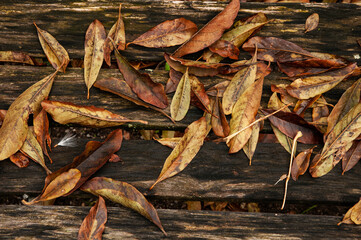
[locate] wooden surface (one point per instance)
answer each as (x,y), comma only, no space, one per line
(70,87)
(67,21)
(212,175)
(63,222)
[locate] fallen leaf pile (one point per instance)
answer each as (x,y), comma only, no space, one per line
(311,75)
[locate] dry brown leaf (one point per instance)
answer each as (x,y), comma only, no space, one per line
(211,32)
(352,156)
(141,83)
(167,34)
(94,52)
(18,57)
(41,130)
(250,147)
(173,81)
(169,142)
(14,129)
(301,163)
(353,215)
(219,121)
(56,54)
(181,99)
(312,22)
(64,113)
(225,49)
(93,224)
(200,94)
(243,114)
(185,151)
(117,33)
(20,160)
(239,83)
(124,194)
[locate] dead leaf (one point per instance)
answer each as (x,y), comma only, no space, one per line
(194,205)
(167,34)
(64,113)
(225,49)
(219,121)
(93,224)
(124,194)
(312,22)
(243,114)
(2,116)
(117,34)
(14,129)
(70,177)
(55,53)
(18,57)
(290,123)
(239,83)
(173,81)
(303,104)
(338,142)
(121,88)
(200,94)
(250,147)
(181,99)
(347,101)
(301,163)
(352,156)
(32,149)
(141,83)
(312,86)
(20,160)
(185,151)
(169,142)
(115,158)
(211,32)
(218,89)
(41,131)
(94,52)
(353,215)
(273,49)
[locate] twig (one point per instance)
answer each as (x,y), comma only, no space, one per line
(298,135)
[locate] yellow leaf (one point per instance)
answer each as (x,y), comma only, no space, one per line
(181,99)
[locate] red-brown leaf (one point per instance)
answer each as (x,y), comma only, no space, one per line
(225,49)
(353,156)
(41,130)
(20,160)
(301,163)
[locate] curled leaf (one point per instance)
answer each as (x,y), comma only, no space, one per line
(64,113)
(41,130)
(312,22)
(353,215)
(167,34)
(124,194)
(211,32)
(185,151)
(352,156)
(14,129)
(181,99)
(219,121)
(20,160)
(200,94)
(94,52)
(93,224)
(300,163)
(56,54)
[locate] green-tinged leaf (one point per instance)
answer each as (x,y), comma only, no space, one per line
(239,83)
(124,194)
(14,128)
(32,149)
(56,54)
(243,114)
(64,113)
(347,101)
(181,99)
(312,86)
(185,151)
(94,223)
(94,52)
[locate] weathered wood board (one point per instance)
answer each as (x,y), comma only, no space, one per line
(212,175)
(337,32)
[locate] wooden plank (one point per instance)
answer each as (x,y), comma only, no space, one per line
(54,222)
(67,20)
(212,175)
(70,87)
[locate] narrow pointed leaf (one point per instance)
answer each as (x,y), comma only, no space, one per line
(312,86)
(211,32)
(124,194)
(347,101)
(219,121)
(56,54)
(18,57)
(352,157)
(239,83)
(181,99)
(20,160)
(32,149)
(167,34)
(199,92)
(169,142)
(94,223)
(312,22)
(14,129)
(64,113)
(301,163)
(41,130)
(243,114)
(185,151)
(250,147)
(141,83)
(94,52)
(117,33)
